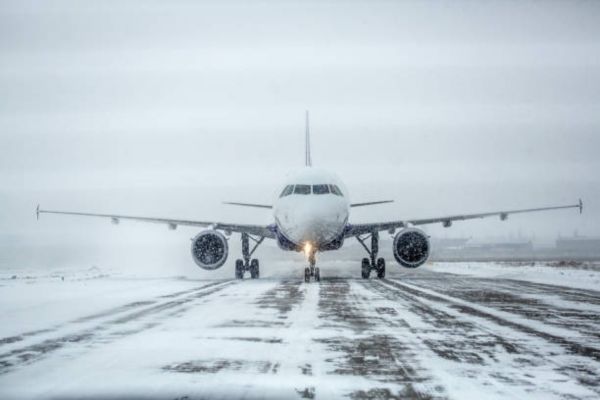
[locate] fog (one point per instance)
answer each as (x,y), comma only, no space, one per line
(169,108)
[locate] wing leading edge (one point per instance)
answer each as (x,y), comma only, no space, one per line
(359,229)
(257,230)
(371,203)
(235,203)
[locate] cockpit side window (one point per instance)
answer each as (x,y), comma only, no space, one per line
(320,189)
(287,191)
(302,189)
(335,190)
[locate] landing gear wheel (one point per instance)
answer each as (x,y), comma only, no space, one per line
(371,263)
(307,274)
(380,268)
(365,268)
(241,266)
(317,275)
(239,269)
(254,269)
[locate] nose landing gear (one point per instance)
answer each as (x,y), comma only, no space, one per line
(247,264)
(311,270)
(373,263)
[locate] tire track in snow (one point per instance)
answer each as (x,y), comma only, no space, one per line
(111,329)
(440,280)
(462,333)
(553,305)
(500,318)
(271,323)
(384,366)
(9,340)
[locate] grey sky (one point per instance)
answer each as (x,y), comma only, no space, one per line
(167,108)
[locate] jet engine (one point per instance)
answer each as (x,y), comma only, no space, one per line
(210,249)
(411,247)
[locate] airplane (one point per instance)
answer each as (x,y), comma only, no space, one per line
(311,215)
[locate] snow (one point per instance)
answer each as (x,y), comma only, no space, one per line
(424,333)
(540,272)
(40,300)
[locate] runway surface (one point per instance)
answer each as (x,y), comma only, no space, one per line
(425,335)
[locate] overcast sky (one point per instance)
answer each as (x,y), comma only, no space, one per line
(167,108)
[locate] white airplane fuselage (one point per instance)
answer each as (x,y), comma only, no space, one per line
(311,211)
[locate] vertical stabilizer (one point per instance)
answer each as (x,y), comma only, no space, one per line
(307,159)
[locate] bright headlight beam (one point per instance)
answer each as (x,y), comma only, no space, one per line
(307,249)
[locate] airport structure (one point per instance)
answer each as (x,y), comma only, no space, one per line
(564,249)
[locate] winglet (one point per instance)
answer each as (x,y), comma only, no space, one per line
(307,159)
(580,206)
(37,212)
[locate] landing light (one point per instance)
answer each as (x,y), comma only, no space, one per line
(307,249)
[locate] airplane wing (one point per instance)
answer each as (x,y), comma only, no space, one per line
(258,230)
(371,203)
(235,203)
(360,229)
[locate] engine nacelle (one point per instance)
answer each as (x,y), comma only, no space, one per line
(210,249)
(411,247)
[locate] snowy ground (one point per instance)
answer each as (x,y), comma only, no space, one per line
(457,331)
(582,275)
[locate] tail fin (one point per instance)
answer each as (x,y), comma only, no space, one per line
(307,159)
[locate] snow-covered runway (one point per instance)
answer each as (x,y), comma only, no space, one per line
(425,334)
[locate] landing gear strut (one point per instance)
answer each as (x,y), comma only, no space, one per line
(372,263)
(247,264)
(311,270)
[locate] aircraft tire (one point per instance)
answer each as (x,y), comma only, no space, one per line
(239,269)
(380,268)
(365,268)
(307,274)
(317,275)
(254,269)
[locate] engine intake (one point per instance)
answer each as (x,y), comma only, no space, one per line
(411,248)
(210,249)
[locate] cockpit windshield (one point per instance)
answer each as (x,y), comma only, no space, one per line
(302,189)
(320,189)
(335,190)
(289,189)
(306,189)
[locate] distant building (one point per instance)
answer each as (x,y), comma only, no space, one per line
(501,247)
(462,249)
(578,245)
(450,243)
(565,248)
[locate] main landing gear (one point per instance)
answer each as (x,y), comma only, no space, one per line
(247,264)
(372,263)
(311,270)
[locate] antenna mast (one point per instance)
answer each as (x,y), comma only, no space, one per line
(307,159)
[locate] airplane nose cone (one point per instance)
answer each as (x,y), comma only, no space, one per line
(317,226)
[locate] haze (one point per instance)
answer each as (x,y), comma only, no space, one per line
(168,108)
